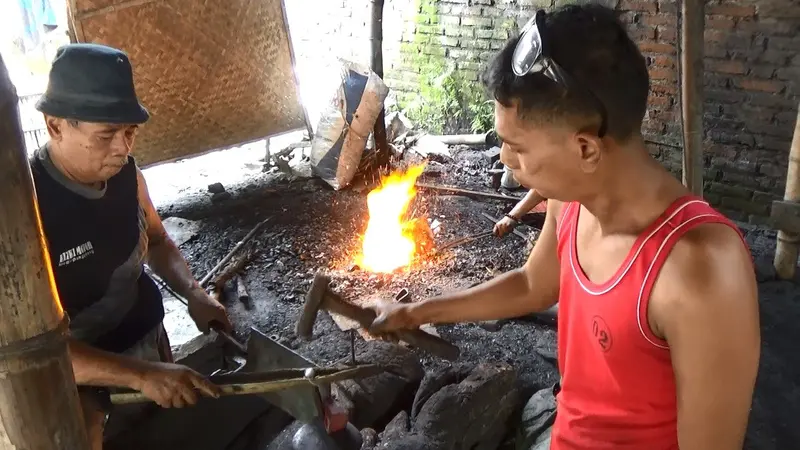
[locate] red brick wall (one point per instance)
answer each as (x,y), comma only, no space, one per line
(752,79)
(752,82)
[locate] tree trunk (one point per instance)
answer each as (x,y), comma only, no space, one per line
(39,406)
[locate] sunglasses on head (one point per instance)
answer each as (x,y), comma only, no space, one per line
(531,56)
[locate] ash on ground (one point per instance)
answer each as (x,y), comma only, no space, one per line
(313,228)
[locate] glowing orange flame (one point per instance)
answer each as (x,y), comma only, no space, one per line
(391,240)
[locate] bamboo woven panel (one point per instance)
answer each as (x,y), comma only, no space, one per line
(212,73)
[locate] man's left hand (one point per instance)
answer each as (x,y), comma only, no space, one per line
(203,309)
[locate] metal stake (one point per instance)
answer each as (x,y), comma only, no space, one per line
(352,347)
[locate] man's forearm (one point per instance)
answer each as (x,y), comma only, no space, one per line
(166,260)
(531,199)
(95,367)
(504,297)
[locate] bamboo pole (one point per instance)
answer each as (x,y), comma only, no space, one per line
(692,41)
(786,249)
(39,406)
(379,131)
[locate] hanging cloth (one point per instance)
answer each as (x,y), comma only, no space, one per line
(37,16)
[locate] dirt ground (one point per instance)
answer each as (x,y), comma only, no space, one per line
(313,228)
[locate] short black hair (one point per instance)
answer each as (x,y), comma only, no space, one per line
(589,42)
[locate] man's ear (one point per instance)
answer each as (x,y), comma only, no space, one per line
(55,127)
(590,149)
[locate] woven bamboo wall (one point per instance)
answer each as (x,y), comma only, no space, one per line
(212,73)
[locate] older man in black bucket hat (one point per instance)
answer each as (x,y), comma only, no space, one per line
(101,229)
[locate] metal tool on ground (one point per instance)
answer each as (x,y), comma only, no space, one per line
(352,347)
(465,240)
(216,287)
(403,296)
(204,281)
(469,193)
(241,292)
(515,231)
(264,382)
(320,296)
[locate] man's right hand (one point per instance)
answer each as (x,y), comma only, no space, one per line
(392,317)
(531,288)
(174,386)
(504,226)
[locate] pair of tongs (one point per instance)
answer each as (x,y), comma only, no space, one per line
(250,383)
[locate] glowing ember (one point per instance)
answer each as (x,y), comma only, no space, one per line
(392,240)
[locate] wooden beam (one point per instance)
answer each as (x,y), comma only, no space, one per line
(786,250)
(379,130)
(692,42)
(39,406)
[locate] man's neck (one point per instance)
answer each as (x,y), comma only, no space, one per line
(62,165)
(633,197)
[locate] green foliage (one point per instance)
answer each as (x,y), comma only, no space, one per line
(436,99)
(444,99)
(482,111)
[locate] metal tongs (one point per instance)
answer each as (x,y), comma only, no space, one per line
(465,240)
(250,383)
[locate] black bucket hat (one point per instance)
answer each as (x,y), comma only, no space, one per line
(92,83)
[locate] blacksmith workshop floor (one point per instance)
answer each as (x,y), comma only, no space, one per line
(313,227)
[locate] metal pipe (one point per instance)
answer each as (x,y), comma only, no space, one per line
(692,41)
(39,405)
(463,139)
(468,193)
(786,249)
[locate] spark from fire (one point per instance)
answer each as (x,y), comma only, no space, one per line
(392,240)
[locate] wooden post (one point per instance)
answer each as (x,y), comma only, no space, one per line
(692,41)
(786,249)
(39,406)
(379,131)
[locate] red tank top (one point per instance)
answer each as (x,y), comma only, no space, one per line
(617,385)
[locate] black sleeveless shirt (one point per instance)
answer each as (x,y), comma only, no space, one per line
(97,244)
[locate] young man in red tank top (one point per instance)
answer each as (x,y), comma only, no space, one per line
(658,329)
